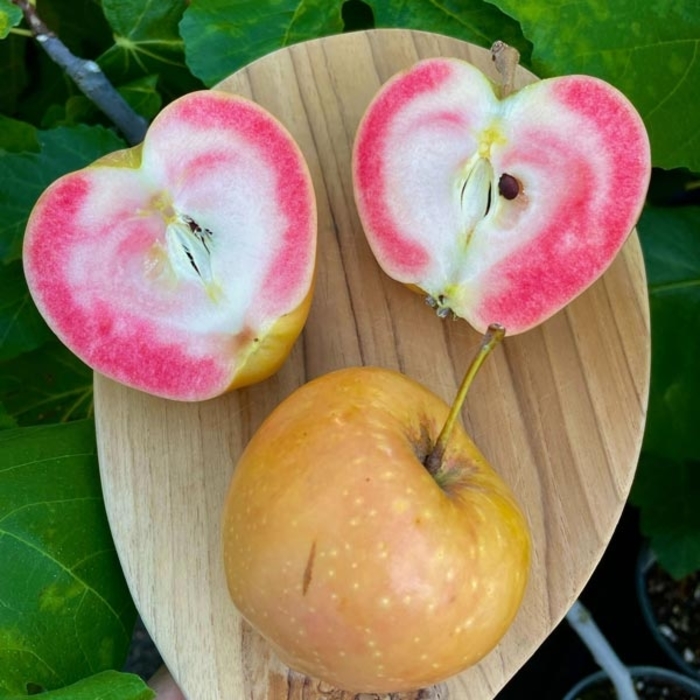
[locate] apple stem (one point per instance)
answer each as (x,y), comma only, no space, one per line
(506,59)
(493,336)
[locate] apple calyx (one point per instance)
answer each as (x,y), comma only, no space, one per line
(434,460)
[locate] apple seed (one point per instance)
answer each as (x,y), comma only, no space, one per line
(508,186)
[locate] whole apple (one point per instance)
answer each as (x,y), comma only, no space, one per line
(183,266)
(498,207)
(363,566)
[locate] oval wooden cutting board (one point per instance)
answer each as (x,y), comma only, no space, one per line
(559,410)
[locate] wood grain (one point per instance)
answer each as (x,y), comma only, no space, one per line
(559,410)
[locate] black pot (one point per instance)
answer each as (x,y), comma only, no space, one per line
(660,678)
(663,636)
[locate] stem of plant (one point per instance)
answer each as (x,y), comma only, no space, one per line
(87,75)
(493,336)
(583,624)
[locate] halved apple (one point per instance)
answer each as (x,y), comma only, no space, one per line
(184,266)
(499,210)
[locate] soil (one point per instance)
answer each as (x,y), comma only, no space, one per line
(676,606)
(647,689)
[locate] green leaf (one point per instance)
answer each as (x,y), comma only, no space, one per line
(108,685)
(48,385)
(21,326)
(10,16)
(66,612)
(671,243)
(650,51)
(6,420)
(143,96)
(26,175)
(147,43)
(17,136)
(221,36)
(667,492)
(470,20)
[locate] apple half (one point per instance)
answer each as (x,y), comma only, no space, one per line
(499,210)
(184,266)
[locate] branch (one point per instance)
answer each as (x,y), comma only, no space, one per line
(582,622)
(88,76)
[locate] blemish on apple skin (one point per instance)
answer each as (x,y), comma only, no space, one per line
(308,571)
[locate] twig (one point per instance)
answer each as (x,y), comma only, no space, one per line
(582,622)
(88,76)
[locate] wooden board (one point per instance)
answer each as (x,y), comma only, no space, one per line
(559,410)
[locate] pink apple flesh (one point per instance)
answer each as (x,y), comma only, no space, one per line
(499,210)
(358,564)
(183,267)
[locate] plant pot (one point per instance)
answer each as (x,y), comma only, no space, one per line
(651,683)
(671,610)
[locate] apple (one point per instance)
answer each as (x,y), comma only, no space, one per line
(367,538)
(498,207)
(184,266)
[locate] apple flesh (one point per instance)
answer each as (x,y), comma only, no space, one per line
(361,566)
(184,266)
(499,210)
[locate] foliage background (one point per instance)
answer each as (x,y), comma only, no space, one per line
(65,612)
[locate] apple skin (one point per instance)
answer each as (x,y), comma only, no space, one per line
(347,555)
(428,161)
(105,251)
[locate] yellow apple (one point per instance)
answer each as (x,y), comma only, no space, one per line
(372,550)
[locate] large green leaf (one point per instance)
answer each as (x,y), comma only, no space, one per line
(6,420)
(49,385)
(65,610)
(671,243)
(667,493)
(470,20)
(649,50)
(147,42)
(24,176)
(667,484)
(17,136)
(221,36)
(107,685)
(21,326)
